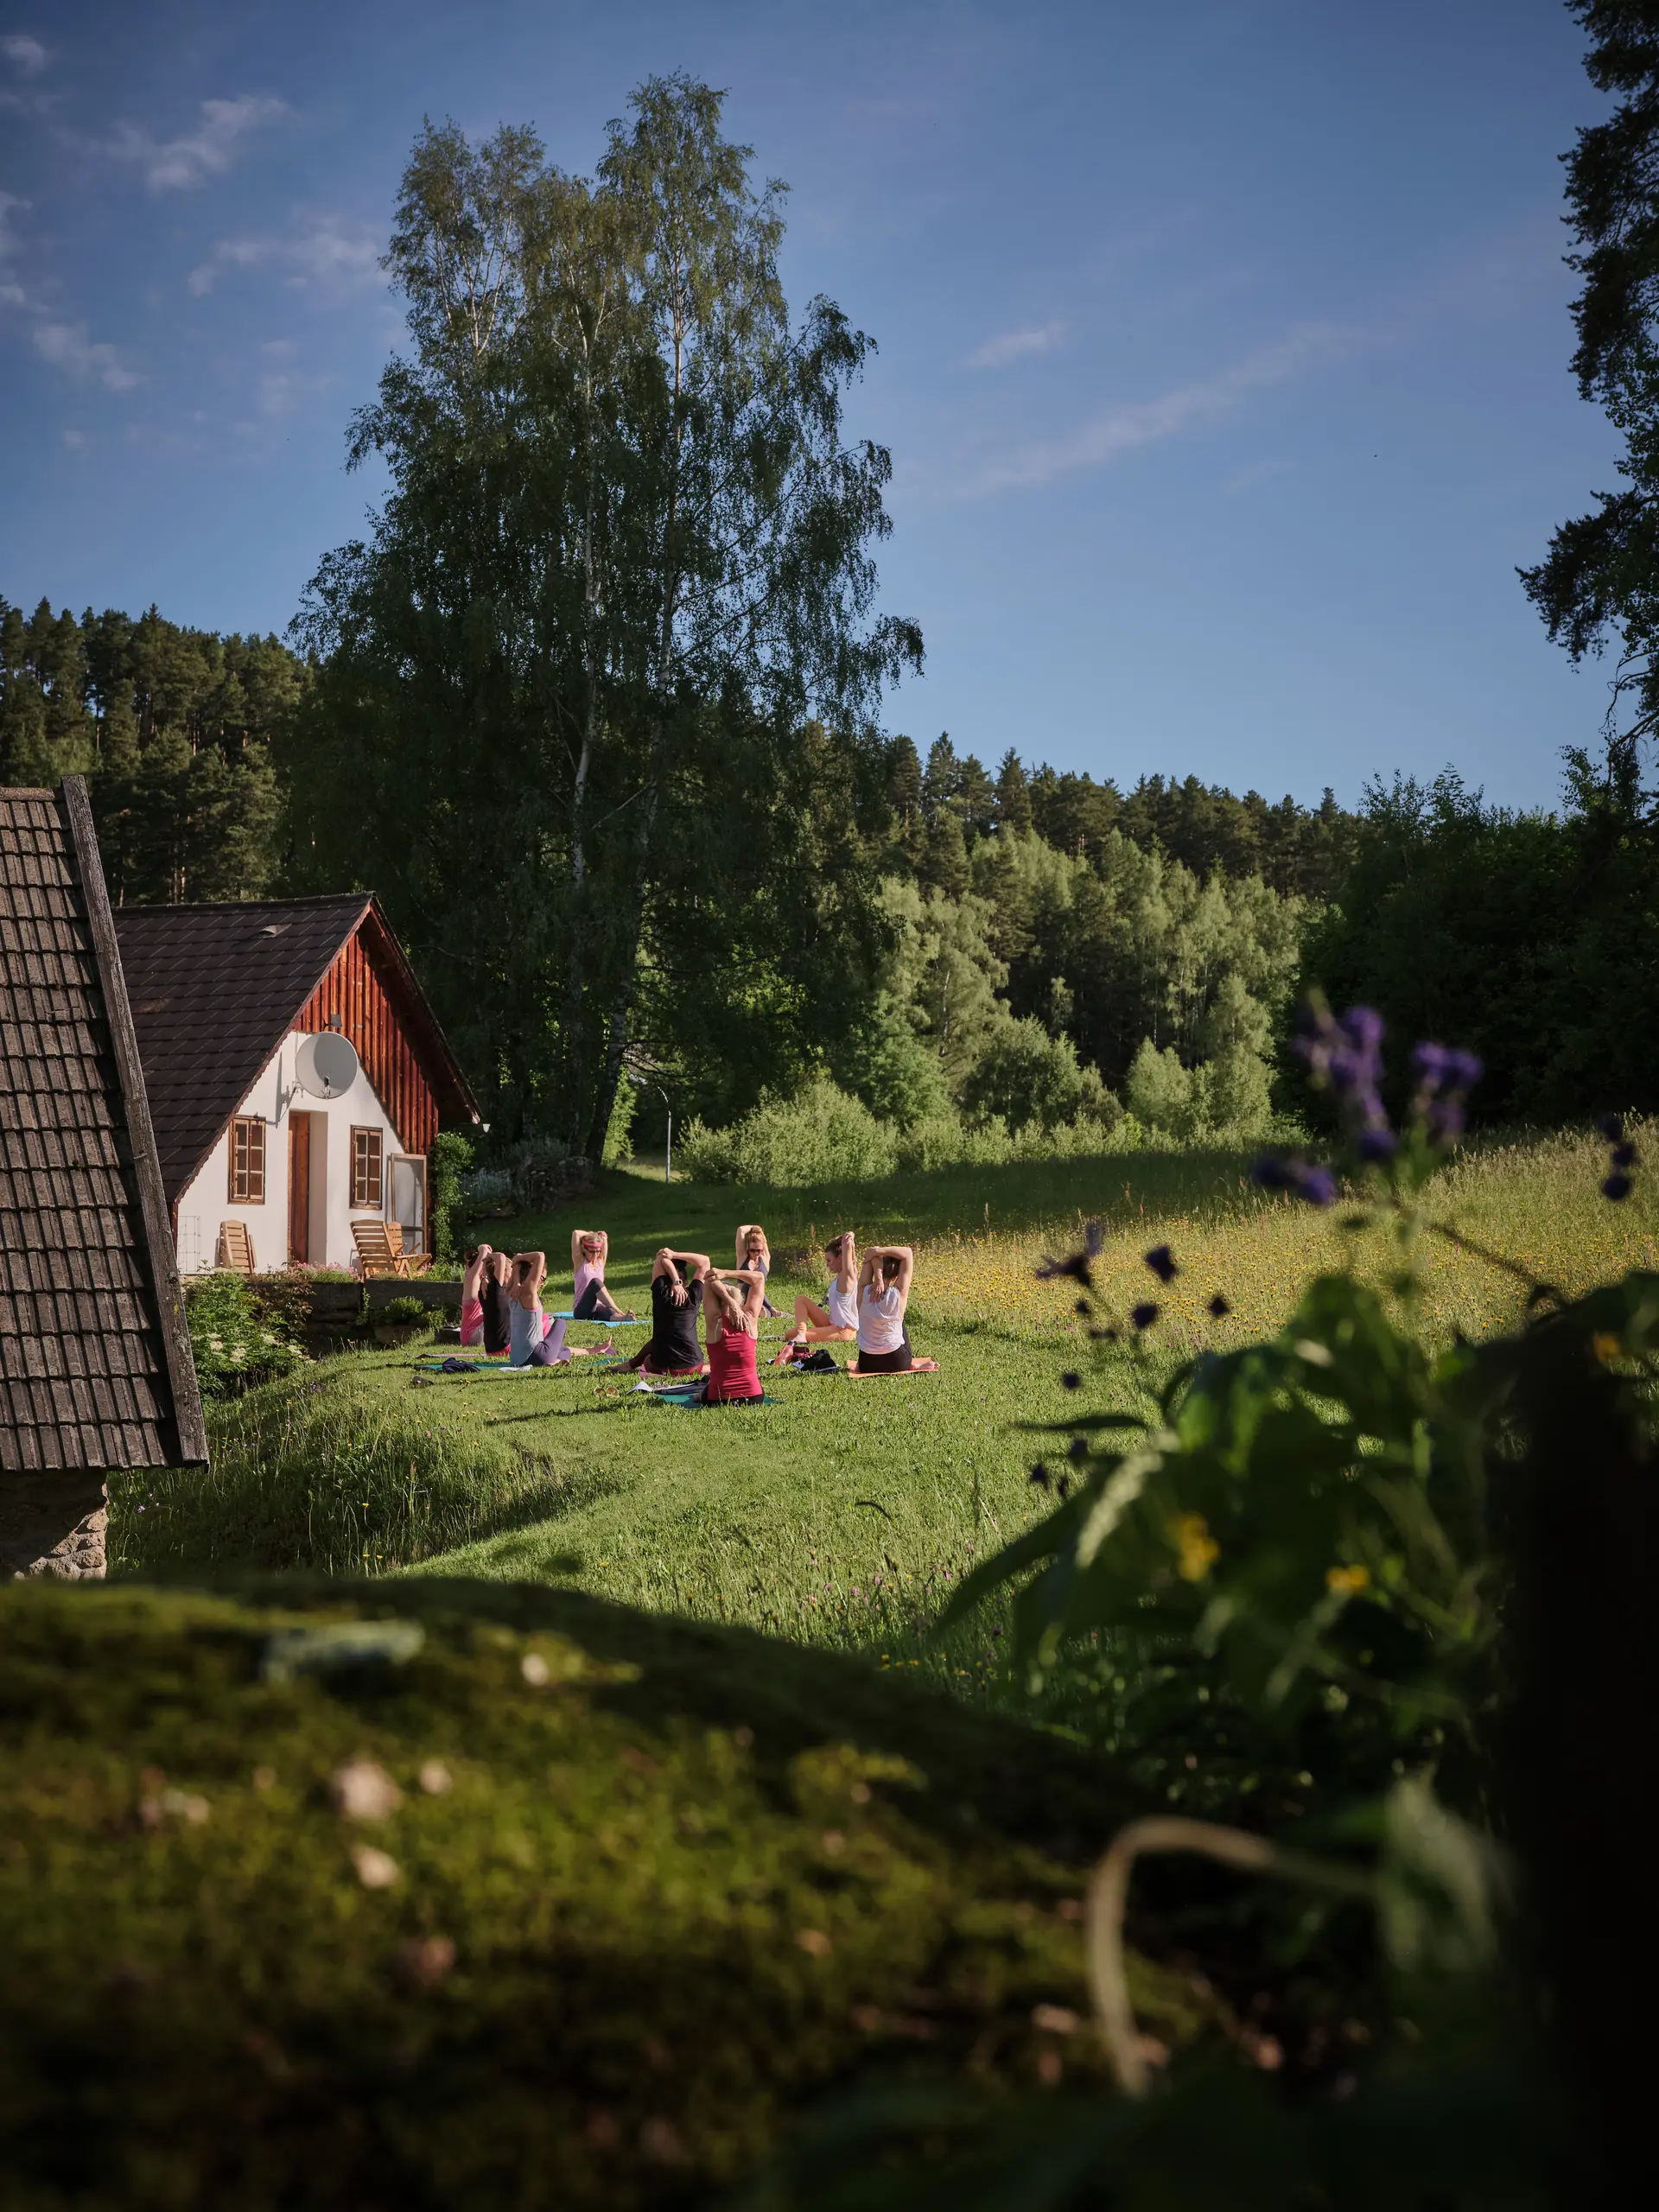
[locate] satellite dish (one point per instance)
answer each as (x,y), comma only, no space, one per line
(326,1064)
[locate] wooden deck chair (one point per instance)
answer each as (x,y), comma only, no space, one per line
(409,1263)
(376,1253)
(235,1247)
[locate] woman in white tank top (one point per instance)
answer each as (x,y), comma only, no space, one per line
(884,1282)
(835,1322)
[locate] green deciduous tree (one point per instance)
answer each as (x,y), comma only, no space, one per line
(626,555)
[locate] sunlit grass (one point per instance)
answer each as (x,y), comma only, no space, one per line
(843,1513)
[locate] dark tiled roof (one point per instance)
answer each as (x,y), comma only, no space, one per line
(94,1365)
(213,991)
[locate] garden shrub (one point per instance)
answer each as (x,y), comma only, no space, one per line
(396,1311)
(448,1159)
(820,1136)
(236,1340)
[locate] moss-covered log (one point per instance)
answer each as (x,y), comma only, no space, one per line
(596,1902)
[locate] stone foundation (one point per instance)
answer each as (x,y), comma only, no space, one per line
(54,1524)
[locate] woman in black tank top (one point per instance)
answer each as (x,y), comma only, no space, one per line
(492,1296)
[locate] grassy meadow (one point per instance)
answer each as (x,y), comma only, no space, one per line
(839,1513)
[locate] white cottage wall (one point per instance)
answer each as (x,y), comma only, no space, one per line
(204,1204)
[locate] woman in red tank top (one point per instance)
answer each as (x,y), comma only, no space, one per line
(731,1311)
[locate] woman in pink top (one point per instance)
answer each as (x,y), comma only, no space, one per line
(590,1300)
(730,1326)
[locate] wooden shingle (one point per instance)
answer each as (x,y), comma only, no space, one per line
(95,1364)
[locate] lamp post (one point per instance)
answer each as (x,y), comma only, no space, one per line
(641,1084)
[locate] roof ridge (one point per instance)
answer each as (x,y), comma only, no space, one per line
(247,905)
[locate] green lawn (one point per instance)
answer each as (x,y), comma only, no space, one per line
(839,1514)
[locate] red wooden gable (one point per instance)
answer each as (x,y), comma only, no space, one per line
(356,997)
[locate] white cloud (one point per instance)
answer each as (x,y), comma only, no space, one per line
(176,164)
(1127,428)
(26,54)
(75,440)
(1015,345)
(322,254)
(67,346)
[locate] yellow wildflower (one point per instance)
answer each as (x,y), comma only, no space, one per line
(1605,1346)
(1348,1580)
(1198,1550)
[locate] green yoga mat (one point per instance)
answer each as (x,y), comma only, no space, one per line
(684,1400)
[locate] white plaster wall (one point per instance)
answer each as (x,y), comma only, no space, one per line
(203,1204)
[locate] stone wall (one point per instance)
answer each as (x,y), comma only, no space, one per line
(54,1524)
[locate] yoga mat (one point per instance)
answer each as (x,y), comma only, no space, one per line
(853,1374)
(683,1401)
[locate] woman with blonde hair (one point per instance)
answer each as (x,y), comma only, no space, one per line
(733,1298)
(754,1253)
(590,1300)
(835,1322)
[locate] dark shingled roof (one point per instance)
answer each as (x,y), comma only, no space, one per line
(214,991)
(95,1364)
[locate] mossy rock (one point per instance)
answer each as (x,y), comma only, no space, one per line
(681,1883)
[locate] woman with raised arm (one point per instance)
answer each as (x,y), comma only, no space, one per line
(535,1338)
(755,1254)
(677,1288)
(497,1304)
(884,1280)
(590,1300)
(731,1320)
(835,1322)
(471,1301)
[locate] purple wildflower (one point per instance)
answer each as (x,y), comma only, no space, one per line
(1071,1381)
(1144,1316)
(1219,1307)
(1374,1144)
(1317,1185)
(1444,1074)
(1161,1261)
(1617,1187)
(1039,1476)
(1611,1126)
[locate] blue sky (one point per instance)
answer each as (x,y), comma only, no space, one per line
(1223,343)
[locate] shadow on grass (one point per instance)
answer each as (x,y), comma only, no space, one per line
(1018,1198)
(970,1771)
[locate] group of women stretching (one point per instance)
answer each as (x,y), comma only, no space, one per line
(864,1305)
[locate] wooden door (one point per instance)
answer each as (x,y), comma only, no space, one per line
(299,1188)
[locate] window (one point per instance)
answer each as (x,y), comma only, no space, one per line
(247,1161)
(366,1168)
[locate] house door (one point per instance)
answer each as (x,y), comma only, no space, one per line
(299,1188)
